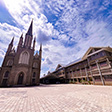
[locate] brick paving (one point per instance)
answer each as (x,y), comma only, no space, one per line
(56,98)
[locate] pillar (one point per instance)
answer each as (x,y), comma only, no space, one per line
(73,76)
(109,63)
(91,71)
(100,72)
(86,74)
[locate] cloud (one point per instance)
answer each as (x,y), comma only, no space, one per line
(42,37)
(7,32)
(46,49)
(48,61)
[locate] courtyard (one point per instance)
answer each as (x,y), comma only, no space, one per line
(56,98)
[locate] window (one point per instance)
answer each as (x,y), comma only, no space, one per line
(6,74)
(34,74)
(103,63)
(110,54)
(35,65)
(10,63)
(94,66)
(24,58)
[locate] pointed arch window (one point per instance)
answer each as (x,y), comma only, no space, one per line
(34,74)
(35,65)
(24,57)
(6,74)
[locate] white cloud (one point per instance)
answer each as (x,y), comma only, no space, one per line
(7,32)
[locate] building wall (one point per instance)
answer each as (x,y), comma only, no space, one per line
(96,69)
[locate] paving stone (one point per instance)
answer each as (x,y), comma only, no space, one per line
(57,98)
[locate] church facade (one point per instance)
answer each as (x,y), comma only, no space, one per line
(21,67)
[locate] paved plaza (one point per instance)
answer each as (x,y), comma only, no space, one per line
(56,98)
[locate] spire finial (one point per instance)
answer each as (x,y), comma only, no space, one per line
(30,30)
(12,41)
(35,38)
(34,42)
(41,47)
(22,35)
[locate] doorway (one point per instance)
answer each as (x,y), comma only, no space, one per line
(20,79)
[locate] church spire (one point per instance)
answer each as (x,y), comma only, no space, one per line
(41,47)
(10,46)
(30,30)
(11,43)
(40,51)
(34,43)
(29,36)
(20,40)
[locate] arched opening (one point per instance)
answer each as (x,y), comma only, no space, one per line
(20,79)
(35,65)
(5,78)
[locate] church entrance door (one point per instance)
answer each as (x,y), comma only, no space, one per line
(20,79)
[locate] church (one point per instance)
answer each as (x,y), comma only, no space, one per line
(21,67)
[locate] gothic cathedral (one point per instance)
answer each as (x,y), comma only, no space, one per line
(21,67)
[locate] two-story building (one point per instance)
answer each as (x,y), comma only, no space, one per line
(95,67)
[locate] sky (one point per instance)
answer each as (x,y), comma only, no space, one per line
(66,28)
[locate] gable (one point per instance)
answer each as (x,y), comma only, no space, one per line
(58,66)
(91,50)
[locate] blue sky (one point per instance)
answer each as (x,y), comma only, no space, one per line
(67,28)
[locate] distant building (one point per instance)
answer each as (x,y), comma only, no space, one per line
(21,67)
(95,67)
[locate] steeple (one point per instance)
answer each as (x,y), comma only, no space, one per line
(34,43)
(10,46)
(30,30)
(20,40)
(29,36)
(11,43)
(40,51)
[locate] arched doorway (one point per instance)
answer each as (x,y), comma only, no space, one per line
(20,79)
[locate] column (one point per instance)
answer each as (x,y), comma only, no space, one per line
(109,63)
(73,76)
(86,74)
(91,71)
(81,74)
(100,72)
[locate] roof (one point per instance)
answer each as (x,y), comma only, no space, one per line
(73,62)
(59,66)
(109,49)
